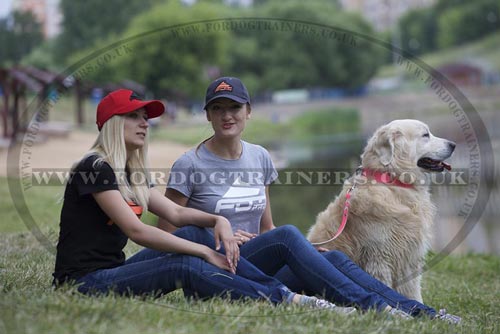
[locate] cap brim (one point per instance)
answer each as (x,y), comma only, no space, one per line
(227,96)
(154,108)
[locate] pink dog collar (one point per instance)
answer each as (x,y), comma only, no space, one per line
(384,177)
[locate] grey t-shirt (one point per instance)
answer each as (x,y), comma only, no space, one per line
(234,189)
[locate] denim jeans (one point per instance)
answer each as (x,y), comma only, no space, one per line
(151,271)
(285,254)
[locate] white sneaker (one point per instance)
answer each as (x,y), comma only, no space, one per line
(399,314)
(450,318)
(324,304)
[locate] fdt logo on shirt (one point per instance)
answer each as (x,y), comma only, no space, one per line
(241,197)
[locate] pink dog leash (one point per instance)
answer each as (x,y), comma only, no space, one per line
(379,177)
(345,215)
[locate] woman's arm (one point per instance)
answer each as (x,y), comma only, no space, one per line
(266,222)
(182,216)
(178,198)
(112,203)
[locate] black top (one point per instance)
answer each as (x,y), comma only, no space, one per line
(88,239)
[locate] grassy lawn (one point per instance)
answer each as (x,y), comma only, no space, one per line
(466,285)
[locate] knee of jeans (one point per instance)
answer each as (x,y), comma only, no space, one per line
(289,230)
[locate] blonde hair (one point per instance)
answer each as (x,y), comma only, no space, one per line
(110,147)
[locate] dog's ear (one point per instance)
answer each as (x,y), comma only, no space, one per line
(385,148)
(385,145)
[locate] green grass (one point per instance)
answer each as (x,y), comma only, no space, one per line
(466,285)
(485,50)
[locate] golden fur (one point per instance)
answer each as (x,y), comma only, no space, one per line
(388,231)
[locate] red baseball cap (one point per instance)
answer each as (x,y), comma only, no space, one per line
(123,101)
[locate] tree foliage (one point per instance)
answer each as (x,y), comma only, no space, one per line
(418,30)
(175,49)
(458,25)
(176,58)
(299,53)
(448,23)
(19,34)
(85,22)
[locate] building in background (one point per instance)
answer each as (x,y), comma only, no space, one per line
(383,14)
(47,12)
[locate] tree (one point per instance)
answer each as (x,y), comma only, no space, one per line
(42,56)
(418,30)
(468,22)
(172,61)
(294,54)
(85,22)
(448,23)
(19,34)
(177,58)
(326,3)
(443,5)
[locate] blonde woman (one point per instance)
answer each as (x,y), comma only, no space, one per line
(109,190)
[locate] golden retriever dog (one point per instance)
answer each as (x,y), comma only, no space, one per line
(389,225)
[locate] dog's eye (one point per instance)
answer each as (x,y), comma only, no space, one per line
(425,135)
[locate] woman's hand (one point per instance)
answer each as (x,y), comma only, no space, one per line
(218,260)
(243,236)
(223,233)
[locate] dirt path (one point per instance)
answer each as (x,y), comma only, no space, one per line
(61,152)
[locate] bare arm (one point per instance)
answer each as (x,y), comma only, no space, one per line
(112,203)
(182,216)
(175,197)
(266,222)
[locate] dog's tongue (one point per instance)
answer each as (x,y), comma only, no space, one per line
(445,165)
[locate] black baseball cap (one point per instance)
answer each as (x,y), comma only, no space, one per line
(228,87)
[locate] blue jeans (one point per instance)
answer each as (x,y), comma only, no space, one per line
(285,254)
(151,271)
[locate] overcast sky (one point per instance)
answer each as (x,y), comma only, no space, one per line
(4,7)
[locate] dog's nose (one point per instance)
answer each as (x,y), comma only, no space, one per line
(452,145)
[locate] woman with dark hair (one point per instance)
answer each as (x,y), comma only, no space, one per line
(228,176)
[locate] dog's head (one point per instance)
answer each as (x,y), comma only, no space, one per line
(404,145)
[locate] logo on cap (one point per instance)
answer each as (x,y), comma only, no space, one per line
(224,87)
(134,96)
